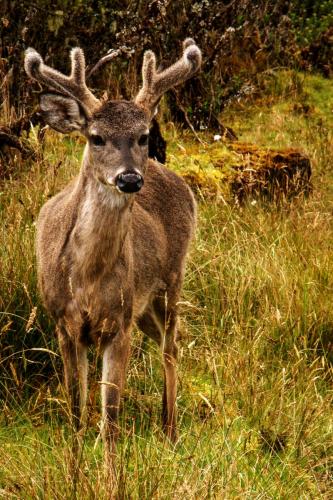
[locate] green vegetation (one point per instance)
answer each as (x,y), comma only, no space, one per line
(311,18)
(255,371)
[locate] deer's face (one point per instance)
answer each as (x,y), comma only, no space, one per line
(117,148)
(117,131)
(117,134)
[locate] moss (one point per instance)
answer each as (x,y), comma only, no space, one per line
(238,170)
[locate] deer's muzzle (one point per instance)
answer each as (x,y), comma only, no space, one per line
(129,182)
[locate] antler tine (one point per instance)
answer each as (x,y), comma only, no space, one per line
(155,84)
(73,85)
(78,67)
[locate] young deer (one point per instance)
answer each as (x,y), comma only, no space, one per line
(111,246)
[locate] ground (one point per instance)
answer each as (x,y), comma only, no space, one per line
(255,366)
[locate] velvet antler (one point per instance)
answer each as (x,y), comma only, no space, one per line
(71,86)
(155,83)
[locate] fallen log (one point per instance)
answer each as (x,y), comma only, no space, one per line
(13,143)
(268,174)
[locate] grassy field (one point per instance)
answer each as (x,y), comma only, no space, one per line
(255,368)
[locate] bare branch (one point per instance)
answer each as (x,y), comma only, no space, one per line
(112,54)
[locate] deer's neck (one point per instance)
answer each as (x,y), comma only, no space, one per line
(104,221)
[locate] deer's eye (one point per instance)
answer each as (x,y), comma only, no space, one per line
(97,140)
(143,140)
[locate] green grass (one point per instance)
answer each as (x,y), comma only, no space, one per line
(255,368)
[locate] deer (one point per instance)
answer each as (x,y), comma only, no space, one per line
(111,246)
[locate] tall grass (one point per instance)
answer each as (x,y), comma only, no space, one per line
(255,369)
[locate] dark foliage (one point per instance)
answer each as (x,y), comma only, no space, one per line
(156,145)
(238,39)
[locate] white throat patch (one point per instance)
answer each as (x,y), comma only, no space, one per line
(111,196)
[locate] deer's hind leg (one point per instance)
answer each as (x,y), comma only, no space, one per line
(160,324)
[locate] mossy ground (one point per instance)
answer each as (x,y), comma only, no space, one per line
(255,368)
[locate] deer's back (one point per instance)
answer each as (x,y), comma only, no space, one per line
(164,218)
(168,201)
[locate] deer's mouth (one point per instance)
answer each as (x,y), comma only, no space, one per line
(106,182)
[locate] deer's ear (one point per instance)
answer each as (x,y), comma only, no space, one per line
(63,114)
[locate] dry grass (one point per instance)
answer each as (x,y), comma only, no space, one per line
(255,396)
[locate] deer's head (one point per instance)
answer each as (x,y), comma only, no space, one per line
(116,131)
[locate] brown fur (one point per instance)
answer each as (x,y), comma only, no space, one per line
(107,259)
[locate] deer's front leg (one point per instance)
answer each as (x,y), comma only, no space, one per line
(115,358)
(74,355)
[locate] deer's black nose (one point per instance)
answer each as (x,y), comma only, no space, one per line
(129,182)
